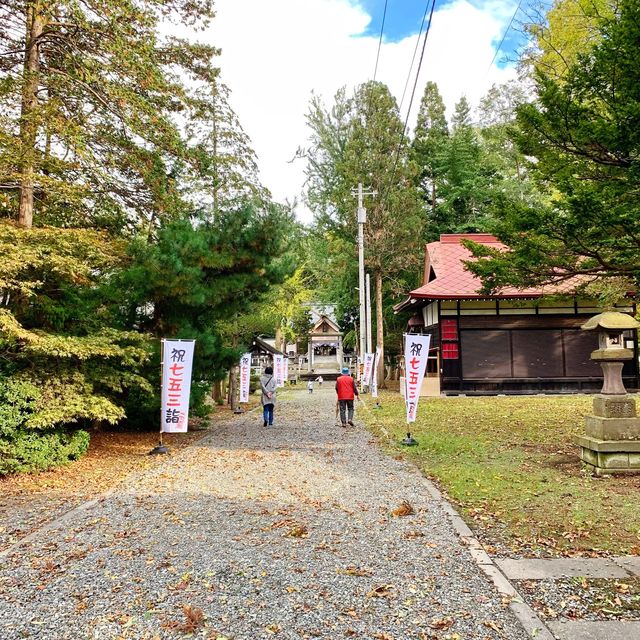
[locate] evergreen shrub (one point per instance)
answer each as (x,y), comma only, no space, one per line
(32,449)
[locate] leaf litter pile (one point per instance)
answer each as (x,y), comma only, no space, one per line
(303,530)
(28,501)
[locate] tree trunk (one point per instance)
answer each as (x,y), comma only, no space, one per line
(28,116)
(279,338)
(233,388)
(215,158)
(216,391)
(433,197)
(380,368)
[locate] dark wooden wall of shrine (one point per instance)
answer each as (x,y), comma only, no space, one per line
(521,354)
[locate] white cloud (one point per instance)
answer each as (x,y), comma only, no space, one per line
(276,53)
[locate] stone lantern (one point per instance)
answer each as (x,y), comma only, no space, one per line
(612,440)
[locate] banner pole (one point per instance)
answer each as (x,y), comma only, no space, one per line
(374,372)
(161,448)
(237,381)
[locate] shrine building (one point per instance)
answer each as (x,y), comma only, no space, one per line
(517,341)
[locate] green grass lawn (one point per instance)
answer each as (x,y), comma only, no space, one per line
(511,466)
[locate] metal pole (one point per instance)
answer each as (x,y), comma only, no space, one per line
(161,445)
(368,292)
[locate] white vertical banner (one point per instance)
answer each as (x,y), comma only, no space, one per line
(358,372)
(368,365)
(416,352)
(245,376)
(278,370)
(177,360)
(285,369)
(374,374)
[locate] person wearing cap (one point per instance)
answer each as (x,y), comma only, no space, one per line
(347,392)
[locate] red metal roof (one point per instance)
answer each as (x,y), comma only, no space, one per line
(453,281)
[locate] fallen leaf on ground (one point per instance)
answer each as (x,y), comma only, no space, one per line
(383,591)
(413,534)
(354,571)
(298,531)
(441,623)
(622,587)
(405,509)
(492,625)
(194,619)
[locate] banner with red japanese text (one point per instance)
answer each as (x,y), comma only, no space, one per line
(177,359)
(416,352)
(368,364)
(245,376)
(374,373)
(278,370)
(285,369)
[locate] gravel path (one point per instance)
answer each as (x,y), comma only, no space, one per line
(20,515)
(283,532)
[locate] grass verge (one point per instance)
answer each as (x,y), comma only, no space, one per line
(510,465)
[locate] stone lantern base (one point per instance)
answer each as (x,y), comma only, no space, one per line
(612,440)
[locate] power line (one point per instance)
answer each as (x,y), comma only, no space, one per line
(415,82)
(413,59)
(513,17)
(413,93)
(384,15)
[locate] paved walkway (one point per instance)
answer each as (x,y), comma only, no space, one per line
(553,568)
(283,532)
(549,573)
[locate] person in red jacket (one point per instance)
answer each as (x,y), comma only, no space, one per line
(347,392)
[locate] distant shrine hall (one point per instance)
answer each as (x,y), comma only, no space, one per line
(325,346)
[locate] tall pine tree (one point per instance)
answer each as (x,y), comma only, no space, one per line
(583,133)
(226,172)
(463,188)
(429,144)
(361,139)
(90,93)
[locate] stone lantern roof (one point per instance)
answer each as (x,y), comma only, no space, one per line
(611,321)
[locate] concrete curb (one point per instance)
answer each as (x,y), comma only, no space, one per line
(527,617)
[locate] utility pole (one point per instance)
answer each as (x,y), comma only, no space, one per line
(362,218)
(368,311)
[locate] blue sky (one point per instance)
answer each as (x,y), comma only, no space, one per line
(403,19)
